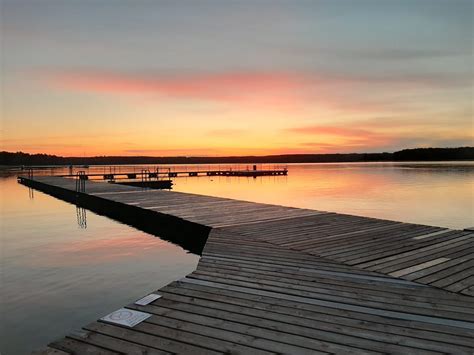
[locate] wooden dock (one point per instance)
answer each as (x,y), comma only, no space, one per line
(284,280)
(146,175)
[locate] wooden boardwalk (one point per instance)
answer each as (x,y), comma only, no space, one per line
(274,279)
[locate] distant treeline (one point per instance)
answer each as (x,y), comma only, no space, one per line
(418,154)
(433,154)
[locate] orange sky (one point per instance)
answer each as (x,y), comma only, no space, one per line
(231,82)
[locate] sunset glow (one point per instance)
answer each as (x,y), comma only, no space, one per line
(270,77)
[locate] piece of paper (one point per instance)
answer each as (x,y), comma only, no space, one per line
(126,317)
(147,299)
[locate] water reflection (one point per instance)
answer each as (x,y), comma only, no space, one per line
(81,217)
(168,228)
(56,277)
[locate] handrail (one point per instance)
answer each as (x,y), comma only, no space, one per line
(81,178)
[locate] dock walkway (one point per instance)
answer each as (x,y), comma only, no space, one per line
(276,279)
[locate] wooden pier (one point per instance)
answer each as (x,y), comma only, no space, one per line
(281,280)
(165,173)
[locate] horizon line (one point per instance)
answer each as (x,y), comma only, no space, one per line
(231,156)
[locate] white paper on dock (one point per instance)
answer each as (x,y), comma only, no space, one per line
(147,299)
(126,317)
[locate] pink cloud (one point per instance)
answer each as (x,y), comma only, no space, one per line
(352,137)
(278,90)
(250,87)
(261,90)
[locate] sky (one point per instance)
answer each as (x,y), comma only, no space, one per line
(213,78)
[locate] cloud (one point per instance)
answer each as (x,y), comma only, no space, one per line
(257,87)
(357,137)
(329,130)
(261,89)
(335,138)
(173,152)
(392,54)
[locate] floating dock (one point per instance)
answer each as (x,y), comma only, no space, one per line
(281,280)
(164,173)
(151,184)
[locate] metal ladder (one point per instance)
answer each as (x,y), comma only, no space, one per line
(81,178)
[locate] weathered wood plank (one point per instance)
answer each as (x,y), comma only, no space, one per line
(302,309)
(114,344)
(372,338)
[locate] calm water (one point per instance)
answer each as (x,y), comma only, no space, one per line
(62,267)
(57,275)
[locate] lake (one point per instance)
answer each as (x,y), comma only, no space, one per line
(62,266)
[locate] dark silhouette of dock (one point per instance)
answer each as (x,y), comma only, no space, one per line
(164,173)
(274,279)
